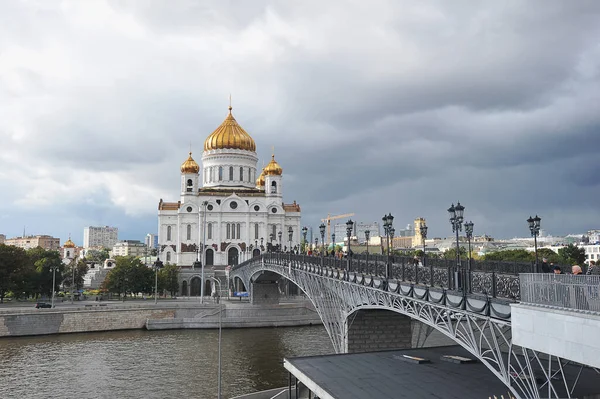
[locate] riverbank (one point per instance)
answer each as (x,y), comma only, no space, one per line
(109,316)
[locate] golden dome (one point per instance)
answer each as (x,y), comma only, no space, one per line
(273,168)
(229,135)
(260,182)
(69,244)
(190,166)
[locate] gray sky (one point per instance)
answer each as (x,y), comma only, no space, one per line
(372,107)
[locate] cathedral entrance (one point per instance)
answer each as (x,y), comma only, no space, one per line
(256,252)
(210,257)
(184,288)
(195,286)
(232,256)
(207,288)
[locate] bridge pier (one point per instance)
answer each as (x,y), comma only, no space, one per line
(374,330)
(264,293)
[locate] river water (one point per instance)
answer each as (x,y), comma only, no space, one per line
(153,364)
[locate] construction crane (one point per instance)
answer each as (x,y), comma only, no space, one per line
(329,219)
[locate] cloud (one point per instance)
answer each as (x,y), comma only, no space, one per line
(401,107)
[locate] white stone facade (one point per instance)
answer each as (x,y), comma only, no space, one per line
(234,216)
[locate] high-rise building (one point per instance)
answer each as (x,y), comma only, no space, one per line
(28,242)
(129,248)
(151,240)
(100,236)
(2,238)
(359,231)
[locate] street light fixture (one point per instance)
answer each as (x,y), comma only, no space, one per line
(423,230)
(290,235)
(261,244)
(279,234)
(157,265)
(456,220)
(349,227)
(322,231)
(367,236)
(333,242)
(388,228)
(534,227)
(304,232)
(271,238)
(469,234)
(53,269)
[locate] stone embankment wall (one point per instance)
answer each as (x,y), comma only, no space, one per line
(116,317)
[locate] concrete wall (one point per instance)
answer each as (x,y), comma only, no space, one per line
(372,330)
(51,321)
(567,334)
(264,293)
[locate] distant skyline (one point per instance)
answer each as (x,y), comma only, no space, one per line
(371,107)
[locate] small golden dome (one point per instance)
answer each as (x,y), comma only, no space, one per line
(69,244)
(273,168)
(260,182)
(190,166)
(229,135)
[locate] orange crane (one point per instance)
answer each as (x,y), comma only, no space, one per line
(329,219)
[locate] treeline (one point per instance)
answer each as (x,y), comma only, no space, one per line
(29,273)
(131,277)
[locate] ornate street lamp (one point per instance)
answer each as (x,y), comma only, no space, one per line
(388,228)
(534,228)
(322,231)
(423,230)
(157,265)
(53,269)
(304,232)
(349,227)
(271,238)
(367,236)
(316,244)
(456,220)
(290,235)
(333,242)
(261,244)
(279,234)
(469,234)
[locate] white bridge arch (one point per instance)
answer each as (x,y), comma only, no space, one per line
(480,325)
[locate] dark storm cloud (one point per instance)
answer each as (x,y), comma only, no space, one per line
(384,106)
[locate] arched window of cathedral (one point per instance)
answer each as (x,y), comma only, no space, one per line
(256,231)
(189,231)
(168,257)
(68,254)
(273,187)
(220,173)
(231,173)
(274,230)
(168,233)
(190,183)
(228,231)
(238,230)
(211,176)
(241,174)
(210,231)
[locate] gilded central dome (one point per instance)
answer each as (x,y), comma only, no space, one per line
(260,182)
(190,166)
(229,135)
(69,244)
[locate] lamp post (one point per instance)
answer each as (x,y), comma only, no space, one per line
(53,269)
(304,232)
(322,231)
(388,228)
(333,242)
(456,220)
(219,351)
(316,244)
(157,265)
(367,236)
(469,234)
(349,226)
(534,227)
(279,234)
(261,244)
(72,281)
(271,238)
(290,235)
(423,230)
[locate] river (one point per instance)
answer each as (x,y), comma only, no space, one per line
(153,364)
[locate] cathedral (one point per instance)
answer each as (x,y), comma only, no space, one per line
(227,214)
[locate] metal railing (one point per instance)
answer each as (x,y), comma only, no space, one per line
(568,291)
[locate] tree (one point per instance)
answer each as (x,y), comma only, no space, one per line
(511,255)
(14,265)
(451,253)
(572,255)
(98,256)
(81,268)
(43,261)
(168,279)
(129,275)
(549,254)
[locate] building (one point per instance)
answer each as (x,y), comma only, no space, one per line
(339,230)
(69,251)
(226,213)
(2,238)
(129,248)
(28,242)
(419,240)
(100,236)
(151,240)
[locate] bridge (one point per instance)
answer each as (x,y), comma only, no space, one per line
(527,329)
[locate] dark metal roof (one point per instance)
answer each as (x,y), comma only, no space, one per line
(389,374)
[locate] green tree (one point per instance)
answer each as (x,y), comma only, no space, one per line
(129,275)
(451,253)
(549,254)
(98,256)
(572,255)
(43,261)
(80,269)
(511,255)
(14,267)
(168,279)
